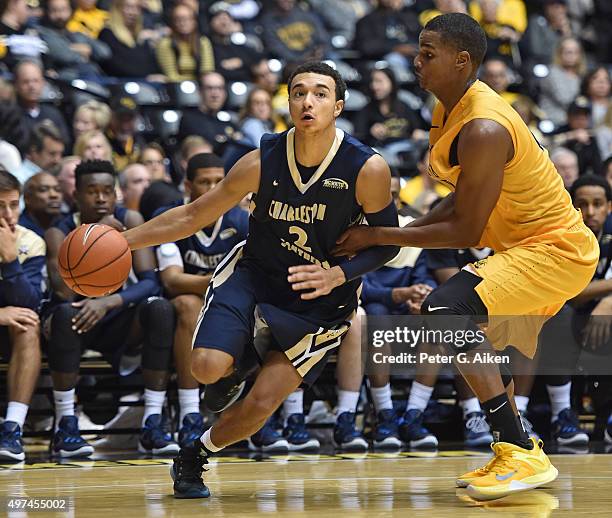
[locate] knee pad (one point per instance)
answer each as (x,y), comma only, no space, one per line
(64,349)
(157,319)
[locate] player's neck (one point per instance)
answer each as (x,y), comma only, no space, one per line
(312,148)
(451,98)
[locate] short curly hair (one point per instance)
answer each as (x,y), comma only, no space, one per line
(93,167)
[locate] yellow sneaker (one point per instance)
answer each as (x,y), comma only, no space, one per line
(513,469)
(465,479)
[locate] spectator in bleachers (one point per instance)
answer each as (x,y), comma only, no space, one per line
(233,56)
(45,151)
(603,135)
(159,194)
(606,170)
(29,84)
(122,134)
(257,116)
(112,324)
(71,54)
(566,164)
(495,73)
(66,181)
(602,21)
(596,87)
(204,120)
(504,22)
(292,34)
(388,123)
(93,145)
(578,135)
(43,203)
(186,268)
(133,54)
(13,128)
(192,145)
(340,16)
(185,54)
(263,77)
(91,115)
(419,192)
(389,32)
(544,31)
(562,84)
(442,7)
(154,159)
(22,258)
(87,18)
(19,41)
(133,180)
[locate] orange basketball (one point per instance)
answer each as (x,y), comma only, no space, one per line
(94,260)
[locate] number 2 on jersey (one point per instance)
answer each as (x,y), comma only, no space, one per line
(302,237)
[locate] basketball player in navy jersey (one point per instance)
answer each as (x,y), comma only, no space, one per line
(310,184)
(186,268)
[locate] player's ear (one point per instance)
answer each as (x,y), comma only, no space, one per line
(463,60)
(338,108)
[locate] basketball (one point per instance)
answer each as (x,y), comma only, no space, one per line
(94,260)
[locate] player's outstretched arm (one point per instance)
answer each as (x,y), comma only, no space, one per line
(183,221)
(484,148)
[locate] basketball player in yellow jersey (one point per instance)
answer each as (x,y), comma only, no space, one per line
(507,196)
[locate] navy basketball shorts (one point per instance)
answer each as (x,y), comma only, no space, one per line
(231,315)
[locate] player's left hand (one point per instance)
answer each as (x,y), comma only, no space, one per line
(312,276)
(354,239)
(597,332)
(92,311)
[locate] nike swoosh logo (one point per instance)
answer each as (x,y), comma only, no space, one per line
(275,183)
(501,478)
(436,308)
(493,410)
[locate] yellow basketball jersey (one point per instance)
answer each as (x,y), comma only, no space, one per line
(533,205)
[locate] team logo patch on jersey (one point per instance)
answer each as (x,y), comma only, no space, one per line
(480,264)
(335,183)
(227,233)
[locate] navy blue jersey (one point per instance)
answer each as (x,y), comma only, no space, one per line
(71,221)
(200,253)
(294,223)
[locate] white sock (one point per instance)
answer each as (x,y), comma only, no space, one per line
(189,402)
(560,399)
(207,442)
(294,404)
(521,403)
(17,412)
(419,396)
(470,405)
(347,401)
(64,404)
(382,397)
(154,401)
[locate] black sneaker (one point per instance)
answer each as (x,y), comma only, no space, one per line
(186,472)
(155,439)
(225,392)
(192,429)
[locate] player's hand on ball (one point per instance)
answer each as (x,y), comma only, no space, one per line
(92,311)
(113,222)
(315,277)
(354,239)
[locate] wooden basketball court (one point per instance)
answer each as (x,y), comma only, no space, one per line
(404,484)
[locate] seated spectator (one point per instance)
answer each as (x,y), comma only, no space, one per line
(496,74)
(65,178)
(45,151)
(158,194)
(389,32)
(87,18)
(562,84)
(578,135)
(154,159)
(185,54)
(504,22)
(419,192)
(596,87)
(292,34)
(340,17)
(43,203)
(19,42)
(133,180)
(89,116)
(133,55)
(262,77)
(387,123)
(566,164)
(233,54)
(603,135)
(111,325)
(93,145)
(606,170)
(544,32)
(442,7)
(29,84)
(186,268)
(71,54)
(257,116)
(205,120)
(124,139)
(13,128)
(22,259)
